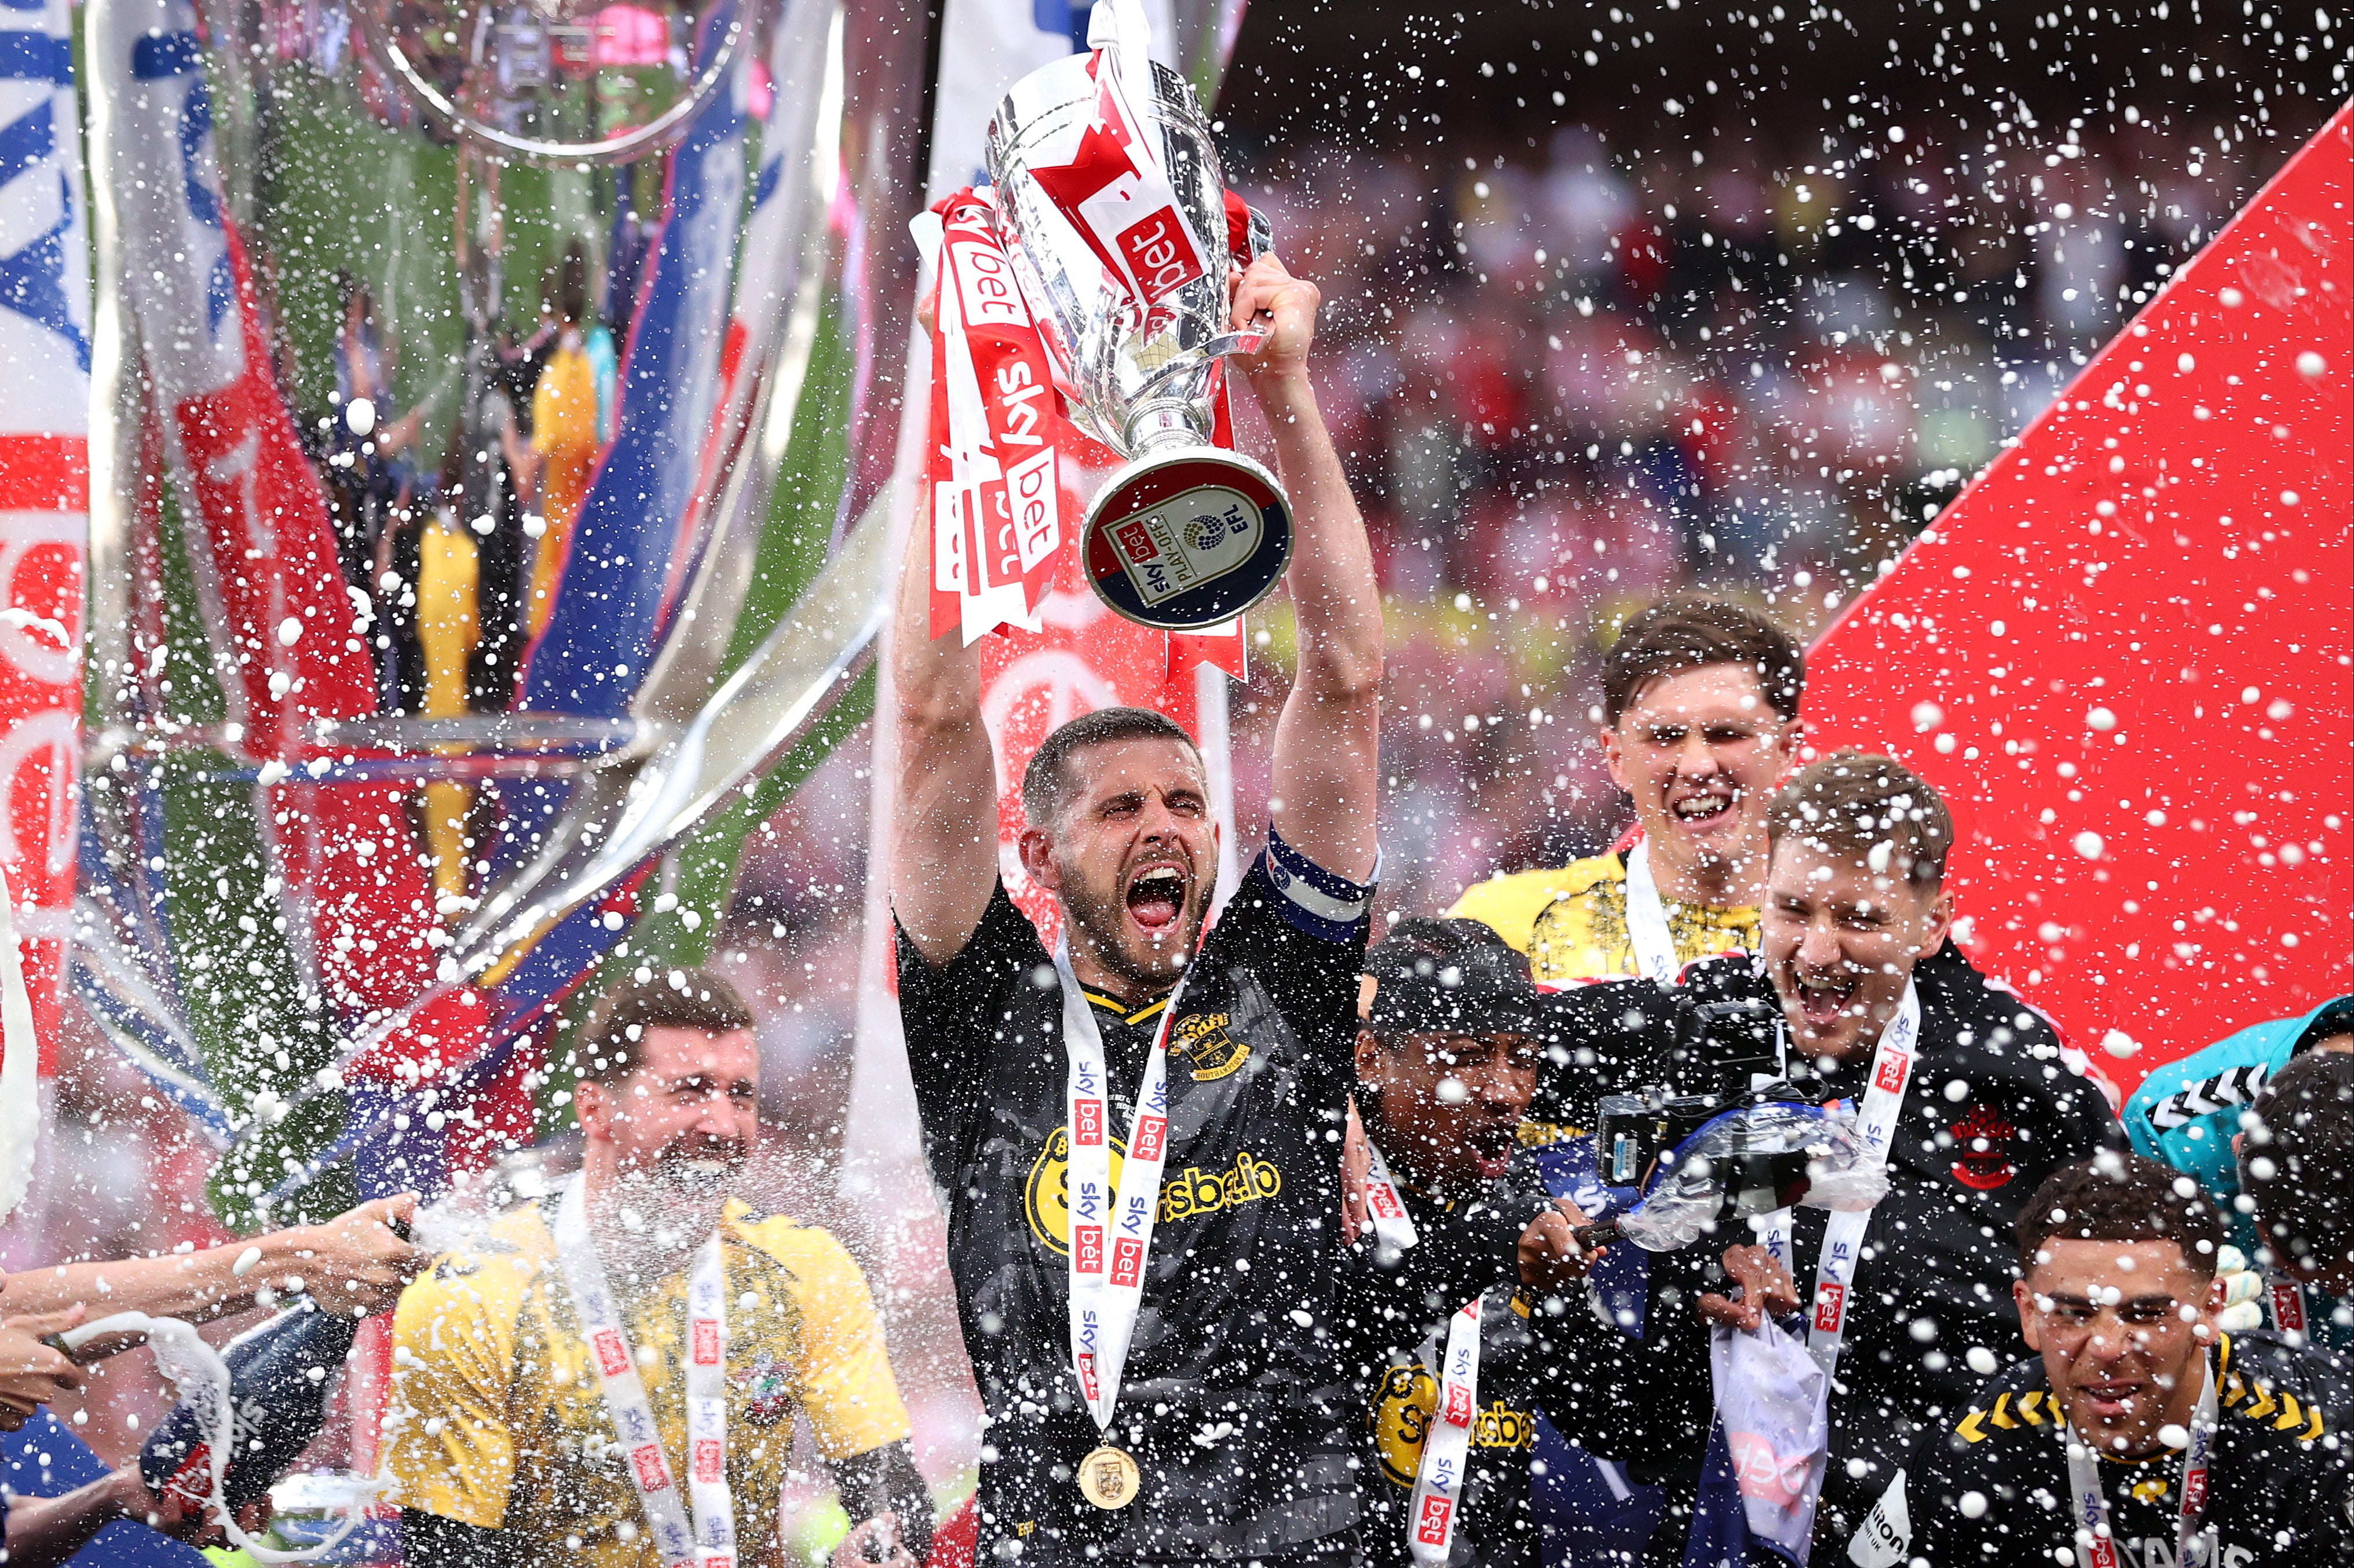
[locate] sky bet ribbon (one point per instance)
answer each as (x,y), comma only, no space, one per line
(1111,1232)
(1446,1445)
(2096,1546)
(710,1542)
(1883,1102)
(1647,921)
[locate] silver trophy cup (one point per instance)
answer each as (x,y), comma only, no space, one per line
(1186,535)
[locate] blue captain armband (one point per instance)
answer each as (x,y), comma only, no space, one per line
(1313,899)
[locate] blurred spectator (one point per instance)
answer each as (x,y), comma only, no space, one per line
(565,426)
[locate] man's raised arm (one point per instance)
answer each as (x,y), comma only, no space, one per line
(944,840)
(1327,776)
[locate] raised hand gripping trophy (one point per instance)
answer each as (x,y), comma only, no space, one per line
(1113,210)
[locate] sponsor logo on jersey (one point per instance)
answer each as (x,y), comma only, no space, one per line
(1189,1193)
(1202,1042)
(767,1388)
(1403,1411)
(1984,1139)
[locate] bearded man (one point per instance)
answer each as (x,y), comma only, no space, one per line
(608,1377)
(1174,1392)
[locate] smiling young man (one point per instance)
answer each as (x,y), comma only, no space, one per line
(1448,1059)
(1699,720)
(2134,1418)
(1856,985)
(1225,1432)
(625,1359)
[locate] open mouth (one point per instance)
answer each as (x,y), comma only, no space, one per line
(1157,897)
(1492,1146)
(1823,1000)
(1692,810)
(2111,1402)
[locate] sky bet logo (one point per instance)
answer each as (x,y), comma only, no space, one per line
(653,1476)
(1891,1073)
(706,1343)
(1159,253)
(1152,1138)
(1830,1301)
(1126,1262)
(1086,1123)
(612,1356)
(1090,1259)
(1430,1530)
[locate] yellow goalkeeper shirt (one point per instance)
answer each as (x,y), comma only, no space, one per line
(497,1419)
(1571,923)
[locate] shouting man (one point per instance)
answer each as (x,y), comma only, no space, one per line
(1157,1357)
(1859,995)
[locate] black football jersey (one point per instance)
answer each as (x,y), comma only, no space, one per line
(1234,1403)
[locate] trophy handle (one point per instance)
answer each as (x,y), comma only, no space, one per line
(1250,340)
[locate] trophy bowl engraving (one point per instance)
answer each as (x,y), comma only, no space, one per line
(1187,533)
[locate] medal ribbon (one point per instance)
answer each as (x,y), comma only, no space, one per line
(1111,1232)
(1647,919)
(1883,1101)
(2096,1545)
(1392,1226)
(1446,1447)
(711,1540)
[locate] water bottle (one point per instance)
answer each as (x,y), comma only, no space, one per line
(278,1372)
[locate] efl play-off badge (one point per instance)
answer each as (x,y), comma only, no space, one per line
(1187,540)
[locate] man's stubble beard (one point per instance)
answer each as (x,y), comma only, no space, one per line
(1102,926)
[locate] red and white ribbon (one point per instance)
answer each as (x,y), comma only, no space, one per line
(1110,1229)
(991,463)
(1111,185)
(1446,1444)
(1384,1207)
(710,1540)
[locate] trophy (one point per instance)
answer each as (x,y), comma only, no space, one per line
(1113,209)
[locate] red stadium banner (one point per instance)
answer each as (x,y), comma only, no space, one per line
(2123,653)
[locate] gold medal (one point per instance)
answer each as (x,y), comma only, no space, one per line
(1109,1478)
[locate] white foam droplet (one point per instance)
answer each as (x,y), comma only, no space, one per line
(1981,1360)
(1927,717)
(2101,719)
(2089,845)
(360,416)
(2117,1043)
(2173,1435)
(289,631)
(246,1261)
(2311,365)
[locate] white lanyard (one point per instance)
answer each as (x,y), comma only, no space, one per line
(1111,1234)
(1446,1444)
(2096,1546)
(1883,1101)
(1647,921)
(1392,1226)
(711,1542)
